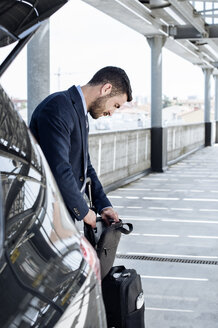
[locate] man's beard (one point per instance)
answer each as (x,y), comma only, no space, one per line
(97,107)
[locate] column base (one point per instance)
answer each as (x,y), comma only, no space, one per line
(208,134)
(216,134)
(159,149)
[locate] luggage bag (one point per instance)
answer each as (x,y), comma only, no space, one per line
(105,240)
(123,298)
(121,288)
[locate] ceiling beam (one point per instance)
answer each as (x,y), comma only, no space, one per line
(187,11)
(214,1)
(150,22)
(191,33)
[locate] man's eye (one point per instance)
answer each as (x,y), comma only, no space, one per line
(117,106)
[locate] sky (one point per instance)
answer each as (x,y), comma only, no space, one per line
(83,40)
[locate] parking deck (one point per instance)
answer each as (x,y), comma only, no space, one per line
(174,245)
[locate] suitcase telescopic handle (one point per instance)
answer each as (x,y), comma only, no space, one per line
(88,183)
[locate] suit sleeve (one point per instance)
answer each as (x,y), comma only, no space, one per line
(54,138)
(99,197)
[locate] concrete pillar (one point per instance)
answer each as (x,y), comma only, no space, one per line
(207,106)
(216,107)
(38,68)
(158,133)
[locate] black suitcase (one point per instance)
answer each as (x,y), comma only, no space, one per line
(123,298)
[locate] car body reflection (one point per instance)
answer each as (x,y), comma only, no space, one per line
(49,274)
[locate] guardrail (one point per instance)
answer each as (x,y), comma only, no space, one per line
(184,139)
(121,156)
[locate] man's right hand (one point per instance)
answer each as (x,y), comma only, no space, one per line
(90,218)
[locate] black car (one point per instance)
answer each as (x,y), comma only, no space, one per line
(49,273)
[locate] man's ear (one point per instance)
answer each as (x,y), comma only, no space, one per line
(106,89)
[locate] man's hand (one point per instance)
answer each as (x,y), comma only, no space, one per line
(90,218)
(108,214)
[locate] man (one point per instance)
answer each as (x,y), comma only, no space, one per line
(60,125)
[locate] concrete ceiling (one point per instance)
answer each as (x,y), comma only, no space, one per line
(186,32)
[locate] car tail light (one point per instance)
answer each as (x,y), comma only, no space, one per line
(90,256)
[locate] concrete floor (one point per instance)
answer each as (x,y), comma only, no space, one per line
(175,216)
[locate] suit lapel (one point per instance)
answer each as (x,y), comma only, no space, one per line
(77,103)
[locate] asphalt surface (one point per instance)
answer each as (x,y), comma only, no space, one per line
(175,218)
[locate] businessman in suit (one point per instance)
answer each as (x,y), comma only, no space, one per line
(60,125)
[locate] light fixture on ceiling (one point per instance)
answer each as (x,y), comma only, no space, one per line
(164,22)
(207,63)
(172,13)
(212,51)
(207,56)
(187,49)
(133,11)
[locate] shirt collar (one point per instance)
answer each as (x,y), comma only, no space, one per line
(83,99)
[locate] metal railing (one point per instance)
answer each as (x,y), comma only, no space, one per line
(119,156)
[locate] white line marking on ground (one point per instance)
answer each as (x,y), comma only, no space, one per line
(181,209)
(168,310)
(195,190)
(157,208)
(180,190)
(154,179)
(189,221)
(203,237)
(200,199)
(154,235)
(137,207)
(172,298)
(138,219)
(160,198)
(113,196)
(134,189)
(207,210)
(192,175)
(173,255)
(206,180)
(174,278)
(161,189)
(116,206)
(132,197)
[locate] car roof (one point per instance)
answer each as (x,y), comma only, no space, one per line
(19,18)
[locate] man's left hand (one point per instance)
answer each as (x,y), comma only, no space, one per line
(109,214)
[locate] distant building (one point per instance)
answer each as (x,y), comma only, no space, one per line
(192,97)
(193,116)
(21,106)
(141,100)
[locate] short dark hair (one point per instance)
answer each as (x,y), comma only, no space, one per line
(117,77)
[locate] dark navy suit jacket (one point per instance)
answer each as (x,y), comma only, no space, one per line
(59,125)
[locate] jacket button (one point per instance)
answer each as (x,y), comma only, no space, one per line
(76,211)
(81,179)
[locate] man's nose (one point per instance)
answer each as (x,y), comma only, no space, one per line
(111,111)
